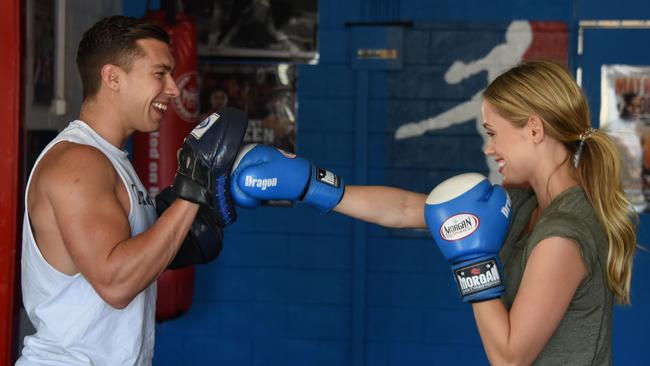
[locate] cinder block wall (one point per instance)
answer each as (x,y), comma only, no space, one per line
(296,288)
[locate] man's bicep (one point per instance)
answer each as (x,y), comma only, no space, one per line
(88,213)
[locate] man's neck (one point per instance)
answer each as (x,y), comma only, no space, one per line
(105,122)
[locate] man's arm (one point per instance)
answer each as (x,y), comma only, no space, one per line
(385,206)
(82,190)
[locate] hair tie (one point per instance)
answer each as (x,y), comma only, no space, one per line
(582,138)
(587,134)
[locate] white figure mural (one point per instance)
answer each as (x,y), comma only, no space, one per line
(519,37)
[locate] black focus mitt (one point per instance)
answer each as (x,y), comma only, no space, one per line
(205,160)
(204,240)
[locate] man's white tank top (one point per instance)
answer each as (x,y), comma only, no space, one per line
(74,326)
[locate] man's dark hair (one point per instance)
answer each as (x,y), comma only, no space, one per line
(112,40)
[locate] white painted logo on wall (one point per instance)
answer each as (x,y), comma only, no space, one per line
(186,104)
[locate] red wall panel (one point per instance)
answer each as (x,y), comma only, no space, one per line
(9,166)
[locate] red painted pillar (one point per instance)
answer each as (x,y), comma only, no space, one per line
(10,95)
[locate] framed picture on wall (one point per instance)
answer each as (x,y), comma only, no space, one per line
(266,92)
(275,29)
(625,115)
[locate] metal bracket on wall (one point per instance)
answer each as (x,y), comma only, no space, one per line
(403,24)
(59,103)
(604,24)
(611,24)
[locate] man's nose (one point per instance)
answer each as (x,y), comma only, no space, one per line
(172,89)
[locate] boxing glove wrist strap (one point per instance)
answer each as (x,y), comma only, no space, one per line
(479,279)
(325,190)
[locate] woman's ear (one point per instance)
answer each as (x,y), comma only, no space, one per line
(535,127)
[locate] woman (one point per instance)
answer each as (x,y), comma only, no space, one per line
(568,253)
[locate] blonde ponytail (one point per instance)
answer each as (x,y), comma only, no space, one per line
(599,172)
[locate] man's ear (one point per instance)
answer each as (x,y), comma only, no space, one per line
(111,76)
(535,127)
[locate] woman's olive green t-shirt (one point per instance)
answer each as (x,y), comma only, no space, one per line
(584,334)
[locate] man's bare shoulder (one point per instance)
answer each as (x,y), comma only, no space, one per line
(70,172)
(70,163)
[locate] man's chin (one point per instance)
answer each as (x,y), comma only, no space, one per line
(155,121)
(152,126)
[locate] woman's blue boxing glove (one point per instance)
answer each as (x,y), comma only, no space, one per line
(262,172)
(469,218)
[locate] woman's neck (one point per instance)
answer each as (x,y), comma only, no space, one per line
(546,193)
(554,176)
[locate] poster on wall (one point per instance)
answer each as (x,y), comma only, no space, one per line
(278,29)
(266,92)
(625,116)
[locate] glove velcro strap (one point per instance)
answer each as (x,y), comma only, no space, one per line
(325,190)
(164,199)
(192,166)
(479,278)
(193,181)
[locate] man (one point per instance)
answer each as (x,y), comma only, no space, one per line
(92,247)
(627,132)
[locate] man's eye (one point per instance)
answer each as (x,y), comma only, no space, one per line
(159,74)
(489,133)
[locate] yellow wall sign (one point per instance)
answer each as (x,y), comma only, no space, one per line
(377,53)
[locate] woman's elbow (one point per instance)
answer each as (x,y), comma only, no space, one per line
(510,359)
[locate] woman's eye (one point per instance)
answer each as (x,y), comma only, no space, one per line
(490,133)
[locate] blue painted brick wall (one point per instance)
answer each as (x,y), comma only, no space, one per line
(281,292)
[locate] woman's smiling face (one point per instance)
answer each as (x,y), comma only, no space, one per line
(509,145)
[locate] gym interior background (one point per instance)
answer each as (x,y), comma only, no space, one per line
(292,287)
